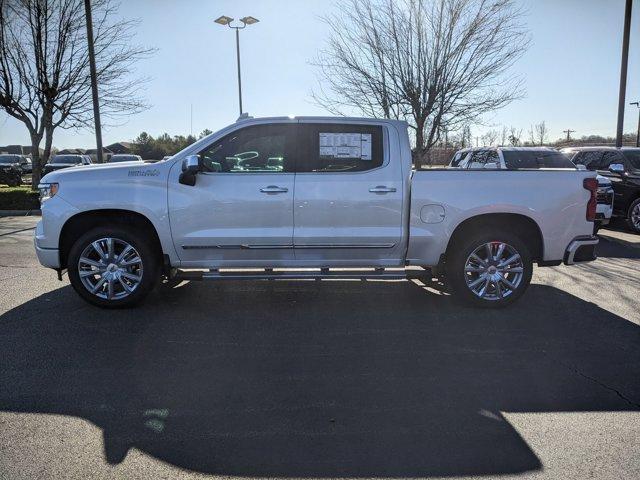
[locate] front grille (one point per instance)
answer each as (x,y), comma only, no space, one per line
(605,195)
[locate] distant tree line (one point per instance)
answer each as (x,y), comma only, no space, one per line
(150,148)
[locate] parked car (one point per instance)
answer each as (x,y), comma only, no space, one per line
(622,167)
(10,171)
(124,157)
(313,194)
(59,162)
(510,158)
(21,161)
(518,158)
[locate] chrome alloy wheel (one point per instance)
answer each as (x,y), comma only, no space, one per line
(110,268)
(494,271)
(635,216)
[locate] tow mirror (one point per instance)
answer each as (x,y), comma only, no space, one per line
(190,168)
(616,168)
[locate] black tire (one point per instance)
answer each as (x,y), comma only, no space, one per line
(634,226)
(459,280)
(14,181)
(149,265)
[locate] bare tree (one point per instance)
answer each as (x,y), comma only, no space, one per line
(541,132)
(439,64)
(504,135)
(514,136)
(44,67)
(490,137)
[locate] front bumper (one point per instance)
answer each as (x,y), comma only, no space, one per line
(581,249)
(48,257)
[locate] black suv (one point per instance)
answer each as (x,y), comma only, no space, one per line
(622,167)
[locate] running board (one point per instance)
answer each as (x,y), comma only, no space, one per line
(310,274)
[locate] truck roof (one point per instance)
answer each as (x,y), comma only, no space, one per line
(333,118)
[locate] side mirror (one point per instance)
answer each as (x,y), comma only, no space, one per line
(190,168)
(616,168)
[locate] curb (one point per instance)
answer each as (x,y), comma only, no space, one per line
(626,243)
(19,213)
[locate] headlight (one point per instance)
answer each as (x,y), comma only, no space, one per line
(47,190)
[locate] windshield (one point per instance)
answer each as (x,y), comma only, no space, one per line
(124,158)
(9,159)
(515,159)
(455,161)
(66,159)
(633,157)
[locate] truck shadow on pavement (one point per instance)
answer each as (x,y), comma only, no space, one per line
(318,379)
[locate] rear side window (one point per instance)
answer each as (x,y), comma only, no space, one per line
(336,148)
(515,159)
(254,149)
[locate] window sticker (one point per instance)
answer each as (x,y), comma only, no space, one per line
(345,145)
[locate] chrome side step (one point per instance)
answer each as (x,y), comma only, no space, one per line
(306,274)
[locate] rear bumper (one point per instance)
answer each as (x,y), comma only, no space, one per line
(581,249)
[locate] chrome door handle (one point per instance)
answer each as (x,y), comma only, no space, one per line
(274,189)
(382,189)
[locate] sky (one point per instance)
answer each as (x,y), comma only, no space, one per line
(571,69)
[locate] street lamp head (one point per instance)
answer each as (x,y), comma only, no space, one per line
(223,20)
(249,20)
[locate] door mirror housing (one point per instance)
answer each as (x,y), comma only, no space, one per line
(616,168)
(190,168)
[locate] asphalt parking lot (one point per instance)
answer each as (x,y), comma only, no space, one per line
(321,379)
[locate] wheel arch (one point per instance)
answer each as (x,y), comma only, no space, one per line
(526,228)
(84,221)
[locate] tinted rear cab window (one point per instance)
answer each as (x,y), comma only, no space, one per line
(535,159)
(339,148)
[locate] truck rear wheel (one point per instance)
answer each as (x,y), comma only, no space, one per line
(633,216)
(490,270)
(113,267)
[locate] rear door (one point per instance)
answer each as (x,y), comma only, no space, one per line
(348,196)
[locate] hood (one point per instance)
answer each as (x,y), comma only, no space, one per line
(104,171)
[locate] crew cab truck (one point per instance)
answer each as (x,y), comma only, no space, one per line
(310,198)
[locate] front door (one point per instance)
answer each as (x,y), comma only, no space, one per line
(348,197)
(240,211)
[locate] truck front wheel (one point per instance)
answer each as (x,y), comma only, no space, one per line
(490,269)
(113,267)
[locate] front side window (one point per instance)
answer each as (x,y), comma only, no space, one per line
(633,158)
(608,158)
(483,159)
(254,149)
(590,159)
(337,148)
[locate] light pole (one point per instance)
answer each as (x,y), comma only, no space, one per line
(94,81)
(637,104)
(623,70)
(224,20)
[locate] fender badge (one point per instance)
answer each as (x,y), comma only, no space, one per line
(144,173)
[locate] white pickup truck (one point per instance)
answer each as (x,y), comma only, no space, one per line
(290,198)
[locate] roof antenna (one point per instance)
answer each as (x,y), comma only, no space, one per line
(243,116)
